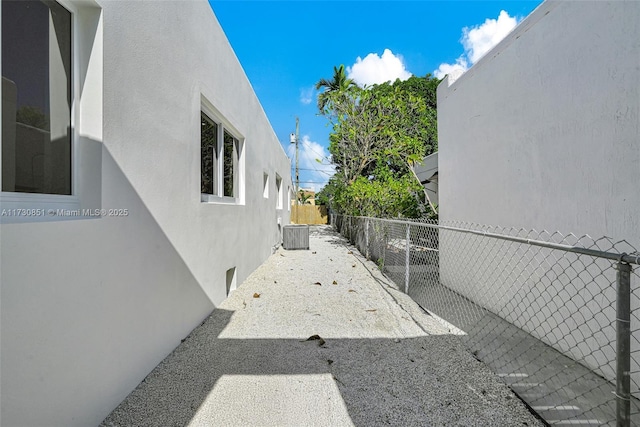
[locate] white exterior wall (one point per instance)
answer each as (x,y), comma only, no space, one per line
(90,306)
(543,133)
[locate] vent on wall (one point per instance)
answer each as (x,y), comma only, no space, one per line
(265,183)
(295,237)
(231,280)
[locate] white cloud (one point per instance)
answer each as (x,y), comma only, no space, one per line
(477,41)
(306,95)
(314,163)
(453,70)
(374,69)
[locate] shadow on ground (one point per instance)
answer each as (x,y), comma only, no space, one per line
(559,389)
(225,374)
(416,381)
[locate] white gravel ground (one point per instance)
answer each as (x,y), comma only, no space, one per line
(383,361)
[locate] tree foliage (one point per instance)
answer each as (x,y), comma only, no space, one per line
(325,195)
(378,133)
(32,116)
(338,84)
(304,198)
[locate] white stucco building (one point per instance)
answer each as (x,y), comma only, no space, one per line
(141,181)
(427,173)
(542,133)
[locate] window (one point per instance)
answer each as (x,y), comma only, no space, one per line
(231,155)
(51,130)
(36,98)
(209,157)
(221,166)
(265,185)
(279,192)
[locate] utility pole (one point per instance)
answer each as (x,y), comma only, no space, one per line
(294,138)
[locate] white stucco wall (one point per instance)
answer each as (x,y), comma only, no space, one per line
(543,133)
(90,306)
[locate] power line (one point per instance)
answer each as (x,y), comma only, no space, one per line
(329,174)
(317,170)
(322,156)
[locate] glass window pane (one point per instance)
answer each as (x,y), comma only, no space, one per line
(279,188)
(36,97)
(230,164)
(209,156)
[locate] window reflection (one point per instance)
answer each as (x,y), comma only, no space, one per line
(36,97)
(209,155)
(230,164)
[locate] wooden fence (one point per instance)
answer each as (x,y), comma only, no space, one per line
(309,214)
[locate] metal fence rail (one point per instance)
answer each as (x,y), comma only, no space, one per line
(556,316)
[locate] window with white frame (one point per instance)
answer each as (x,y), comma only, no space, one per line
(36,97)
(50,126)
(221,170)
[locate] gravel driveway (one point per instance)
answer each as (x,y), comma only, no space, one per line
(320,338)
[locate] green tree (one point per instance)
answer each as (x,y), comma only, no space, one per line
(304,197)
(424,88)
(338,84)
(378,133)
(326,194)
(32,116)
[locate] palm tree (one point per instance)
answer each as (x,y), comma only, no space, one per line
(304,197)
(339,83)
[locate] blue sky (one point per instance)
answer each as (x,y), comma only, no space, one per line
(285,47)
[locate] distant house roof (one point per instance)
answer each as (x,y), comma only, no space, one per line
(427,171)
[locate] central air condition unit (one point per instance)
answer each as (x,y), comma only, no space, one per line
(295,237)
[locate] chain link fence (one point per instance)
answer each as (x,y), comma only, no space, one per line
(555,316)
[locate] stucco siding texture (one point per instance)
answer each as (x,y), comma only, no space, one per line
(543,131)
(542,134)
(90,306)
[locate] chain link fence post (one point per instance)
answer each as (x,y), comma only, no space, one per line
(350,229)
(366,237)
(623,345)
(407,259)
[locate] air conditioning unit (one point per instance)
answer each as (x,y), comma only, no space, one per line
(295,237)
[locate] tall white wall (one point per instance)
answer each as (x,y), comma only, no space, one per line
(543,133)
(90,306)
